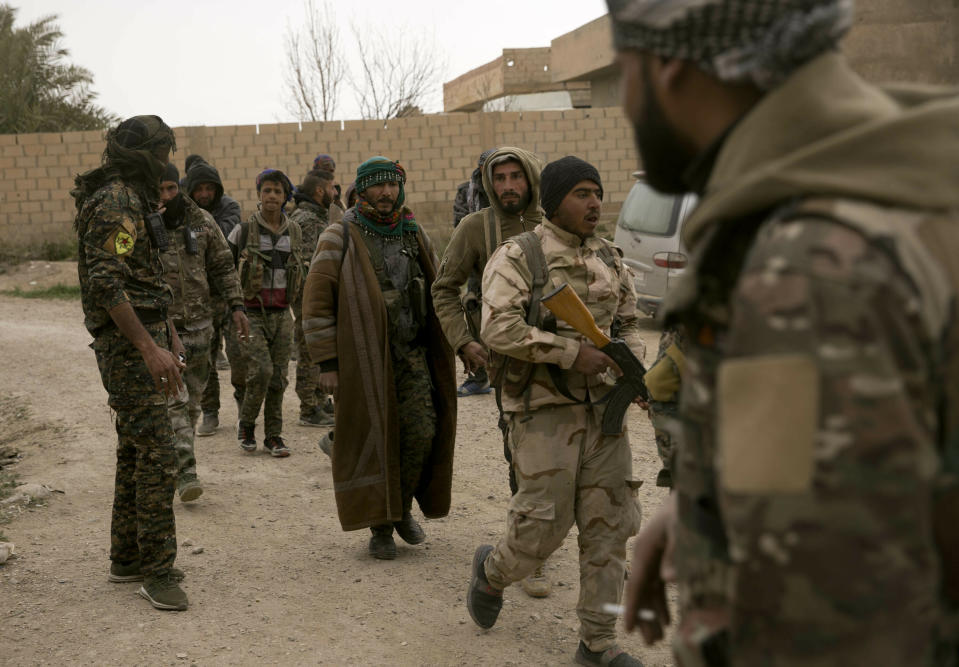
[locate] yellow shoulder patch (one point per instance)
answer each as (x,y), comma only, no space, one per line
(122,240)
(123,243)
(768,411)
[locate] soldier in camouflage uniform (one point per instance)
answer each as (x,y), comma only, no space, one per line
(266,249)
(663,382)
(197,264)
(397,390)
(566,469)
(313,199)
(816,503)
(125,305)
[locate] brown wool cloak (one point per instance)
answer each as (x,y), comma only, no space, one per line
(366,468)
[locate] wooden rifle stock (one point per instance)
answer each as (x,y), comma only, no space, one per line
(565,304)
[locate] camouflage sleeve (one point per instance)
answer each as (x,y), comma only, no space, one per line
(320,295)
(458,260)
(506,291)
(826,452)
(220,270)
(108,240)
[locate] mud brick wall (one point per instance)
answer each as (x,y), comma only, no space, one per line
(439,152)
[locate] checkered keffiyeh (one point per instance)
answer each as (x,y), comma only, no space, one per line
(746,41)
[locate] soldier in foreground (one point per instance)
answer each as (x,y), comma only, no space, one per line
(313,199)
(816,506)
(369,323)
(197,264)
(512,175)
(566,469)
(125,305)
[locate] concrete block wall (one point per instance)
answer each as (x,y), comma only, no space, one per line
(438,151)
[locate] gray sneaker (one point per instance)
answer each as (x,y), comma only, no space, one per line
(189,489)
(326,444)
(164,593)
(209,425)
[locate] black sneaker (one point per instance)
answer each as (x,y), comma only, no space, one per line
(328,408)
(277,448)
(164,593)
(121,573)
(316,418)
(409,529)
(613,656)
(244,433)
(483,601)
(382,545)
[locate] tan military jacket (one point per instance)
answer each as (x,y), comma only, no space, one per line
(607,291)
(195,278)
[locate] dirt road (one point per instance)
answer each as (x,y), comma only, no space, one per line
(277,580)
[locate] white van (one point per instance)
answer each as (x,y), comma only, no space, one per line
(649,232)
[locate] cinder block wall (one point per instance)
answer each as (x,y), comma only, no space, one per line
(438,151)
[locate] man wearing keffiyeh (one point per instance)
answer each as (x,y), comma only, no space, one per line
(816,503)
(369,322)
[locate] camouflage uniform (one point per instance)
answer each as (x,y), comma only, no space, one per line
(193,278)
(267,356)
(271,270)
(312,219)
(820,387)
(566,470)
(118,264)
(663,382)
(395,261)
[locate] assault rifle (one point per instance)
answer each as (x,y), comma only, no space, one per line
(567,306)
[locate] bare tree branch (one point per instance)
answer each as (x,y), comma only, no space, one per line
(316,65)
(397,75)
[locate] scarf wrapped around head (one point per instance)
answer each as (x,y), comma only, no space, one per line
(760,42)
(383,170)
(129,155)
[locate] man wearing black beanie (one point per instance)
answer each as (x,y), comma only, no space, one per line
(567,470)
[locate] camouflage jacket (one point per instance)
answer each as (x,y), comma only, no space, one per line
(607,291)
(195,278)
(818,410)
(117,262)
(312,219)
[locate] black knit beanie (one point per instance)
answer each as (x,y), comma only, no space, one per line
(561,176)
(170,173)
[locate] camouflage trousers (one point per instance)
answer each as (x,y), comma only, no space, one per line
(267,357)
(567,471)
(662,415)
(417,417)
(307,383)
(223,330)
(143,526)
(185,408)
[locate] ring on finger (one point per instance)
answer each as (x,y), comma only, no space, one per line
(162,379)
(646,615)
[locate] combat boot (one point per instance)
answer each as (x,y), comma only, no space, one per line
(537,585)
(613,656)
(209,424)
(409,529)
(483,600)
(164,593)
(244,433)
(189,488)
(382,545)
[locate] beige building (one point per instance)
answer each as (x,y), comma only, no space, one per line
(892,40)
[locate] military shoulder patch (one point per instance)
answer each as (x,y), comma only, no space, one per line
(768,410)
(122,240)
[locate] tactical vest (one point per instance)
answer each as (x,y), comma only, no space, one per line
(509,374)
(252,261)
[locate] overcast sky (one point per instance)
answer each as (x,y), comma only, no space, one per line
(221,62)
